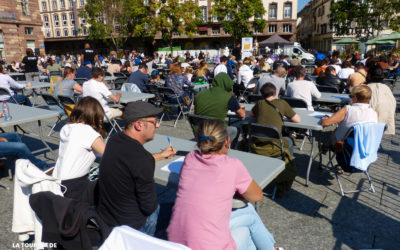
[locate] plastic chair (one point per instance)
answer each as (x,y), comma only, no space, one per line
(119,81)
(67,103)
(4,91)
(53,104)
(119,74)
(168,105)
(153,89)
(295,102)
(328,89)
(243,94)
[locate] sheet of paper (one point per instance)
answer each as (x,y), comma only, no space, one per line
(319,114)
(175,166)
(341,97)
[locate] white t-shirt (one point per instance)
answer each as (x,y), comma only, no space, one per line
(99,91)
(304,90)
(220,68)
(344,73)
(75,155)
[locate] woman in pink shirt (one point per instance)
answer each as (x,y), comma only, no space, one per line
(202,216)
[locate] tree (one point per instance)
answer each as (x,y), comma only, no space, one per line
(117,20)
(176,17)
(235,16)
(365,17)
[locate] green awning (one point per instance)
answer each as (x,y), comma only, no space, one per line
(393,36)
(346,41)
(373,41)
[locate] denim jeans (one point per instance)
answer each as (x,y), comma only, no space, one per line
(248,230)
(16,149)
(151,223)
(20,99)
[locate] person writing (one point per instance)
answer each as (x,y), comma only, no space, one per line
(203,218)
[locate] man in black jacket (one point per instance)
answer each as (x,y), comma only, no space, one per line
(329,78)
(126,182)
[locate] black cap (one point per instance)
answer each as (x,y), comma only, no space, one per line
(137,110)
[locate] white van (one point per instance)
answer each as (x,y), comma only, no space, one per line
(299,52)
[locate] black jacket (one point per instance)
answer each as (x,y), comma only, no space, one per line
(68,222)
(329,80)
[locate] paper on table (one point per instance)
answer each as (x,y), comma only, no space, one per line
(175,166)
(319,114)
(341,97)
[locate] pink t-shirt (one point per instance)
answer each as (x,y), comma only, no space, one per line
(200,217)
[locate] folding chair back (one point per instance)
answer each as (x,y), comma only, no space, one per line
(80,80)
(67,103)
(107,73)
(119,81)
(53,104)
(253,98)
(328,89)
(196,120)
(261,131)
(294,102)
(243,94)
(18,77)
(167,93)
(153,89)
(4,91)
(119,74)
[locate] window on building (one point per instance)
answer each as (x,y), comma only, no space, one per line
(46,21)
(272,10)
(62,4)
(54,4)
(82,2)
(44,5)
(72,18)
(83,20)
(215,19)
(2,52)
(85,31)
(73,32)
(272,28)
(65,32)
(64,19)
(204,14)
(58,33)
(56,20)
(287,10)
(71,3)
(228,17)
(258,16)
(30,44)
(215,31)
(28,31)
(287,28)
(203,33)
(48,34)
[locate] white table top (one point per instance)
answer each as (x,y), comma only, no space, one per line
(333,98)
(263,169)
(17,74)
(131,96)
(109,78)
(309,119)
(37,85)
(23,114)
(201,86)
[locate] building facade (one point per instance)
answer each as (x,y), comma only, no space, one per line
(61,24)
(20,28)
(305,26)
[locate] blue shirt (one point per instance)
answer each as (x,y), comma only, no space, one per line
(84,72)
(140,79)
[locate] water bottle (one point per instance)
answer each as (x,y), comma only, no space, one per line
(6,111)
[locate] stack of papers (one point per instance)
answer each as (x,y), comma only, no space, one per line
(175,166)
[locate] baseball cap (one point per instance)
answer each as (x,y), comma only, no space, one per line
(155,72)
(137,110)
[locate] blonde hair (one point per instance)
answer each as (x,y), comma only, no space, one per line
(211,136)
(202,69)
(188,70)
(362,92)
(176,69)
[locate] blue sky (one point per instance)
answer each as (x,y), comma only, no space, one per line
(301,4)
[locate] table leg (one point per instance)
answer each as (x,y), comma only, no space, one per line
(43,141)
(4,185)
(311,157)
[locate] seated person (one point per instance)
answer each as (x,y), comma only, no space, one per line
(329,78)
(266,112)
(395,69)
(140,77)
(13,148)
(8,83)
(79,140)
(84,71)
(114,66)
(127,194)
(358,112)
(303,89)
(346,70)
(203,218)
(245,74)
(216,101)
(67,86)
(277,78)
(155,78)
(97,89)
(357,78)
(127,68)
(177,82)
(382,99)
(52,66)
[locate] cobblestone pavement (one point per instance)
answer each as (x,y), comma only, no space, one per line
(314,217)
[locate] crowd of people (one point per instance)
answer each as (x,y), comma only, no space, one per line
(124,193)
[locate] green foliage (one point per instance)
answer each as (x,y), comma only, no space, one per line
(235,16)
(367,16)
(175,17)
(116,20)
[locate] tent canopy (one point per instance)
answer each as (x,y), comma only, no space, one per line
(346,41)
(373,41)
(275,38)
(393,36)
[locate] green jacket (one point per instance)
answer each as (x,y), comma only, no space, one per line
(213,102)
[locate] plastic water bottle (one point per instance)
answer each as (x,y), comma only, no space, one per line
(6,111)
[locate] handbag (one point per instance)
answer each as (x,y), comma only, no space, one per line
(185,99)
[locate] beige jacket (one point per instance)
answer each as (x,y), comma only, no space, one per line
(383,101)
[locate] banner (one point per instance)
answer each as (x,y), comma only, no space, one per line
(247,47)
